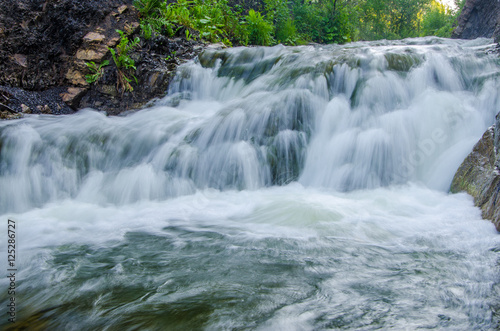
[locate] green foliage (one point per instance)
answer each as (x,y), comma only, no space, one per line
(120,55)
(437,21)
(278,15)
(293,22)
(147,7)
(97,71)
(159,24)
(179,13)
(259,31)
(123,61)
(286,32)
(213,20)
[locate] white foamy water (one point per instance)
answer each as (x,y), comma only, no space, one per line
(273,189)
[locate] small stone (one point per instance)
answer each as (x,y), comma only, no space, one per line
(25,109)
(73,96)
(113,41)
(5,115)
(21,59)
(93,37)
(92,55)
(137,105)
(132,27)
(76,78)
(108,89)
(121,9)
(46,109)
(216,46)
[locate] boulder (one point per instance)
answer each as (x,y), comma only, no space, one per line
(479,18)
(479,175)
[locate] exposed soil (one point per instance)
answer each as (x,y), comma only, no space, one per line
(38,37)
(44,46)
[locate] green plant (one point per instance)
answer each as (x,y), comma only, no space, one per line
(97,71)
(285,31)
(437,21)
(259,30)
(123,61)
(171,57)
(179,12)
(147,7)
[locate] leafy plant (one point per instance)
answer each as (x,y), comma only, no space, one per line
(123,61)
(147,7)
(259,30)
(179,13)
(293,22)
(437,21)
(97,71)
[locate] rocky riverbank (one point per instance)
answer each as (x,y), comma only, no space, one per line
(479,18)
(479,174)
(44,48)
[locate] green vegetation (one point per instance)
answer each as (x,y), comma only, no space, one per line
(292,22)
(97,71)
(123,61)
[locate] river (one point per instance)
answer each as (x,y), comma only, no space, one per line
(280,188)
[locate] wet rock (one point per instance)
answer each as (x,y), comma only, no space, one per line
(21,59)
(6,115)
(479,176)
(75,77)
(47,34)
(479,18)
(108,89)
(94,37)
(92,54)
(27,101)
(73,96)
(25,109)
(156,61)
(45,109)
(121,9)
(43,56)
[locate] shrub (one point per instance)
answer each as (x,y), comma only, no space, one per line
(259,31)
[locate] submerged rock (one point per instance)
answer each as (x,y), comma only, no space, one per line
(478,175)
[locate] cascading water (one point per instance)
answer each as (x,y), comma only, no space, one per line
(283,188)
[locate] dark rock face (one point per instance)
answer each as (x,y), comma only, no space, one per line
(479,18)
(479,176)
(156,66)
(45,45)
(37,38)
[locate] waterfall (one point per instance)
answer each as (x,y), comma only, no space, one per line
(272,188)
(346,118)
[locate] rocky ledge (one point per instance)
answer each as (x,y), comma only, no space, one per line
(45,45)
(479,174)
(479,18)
